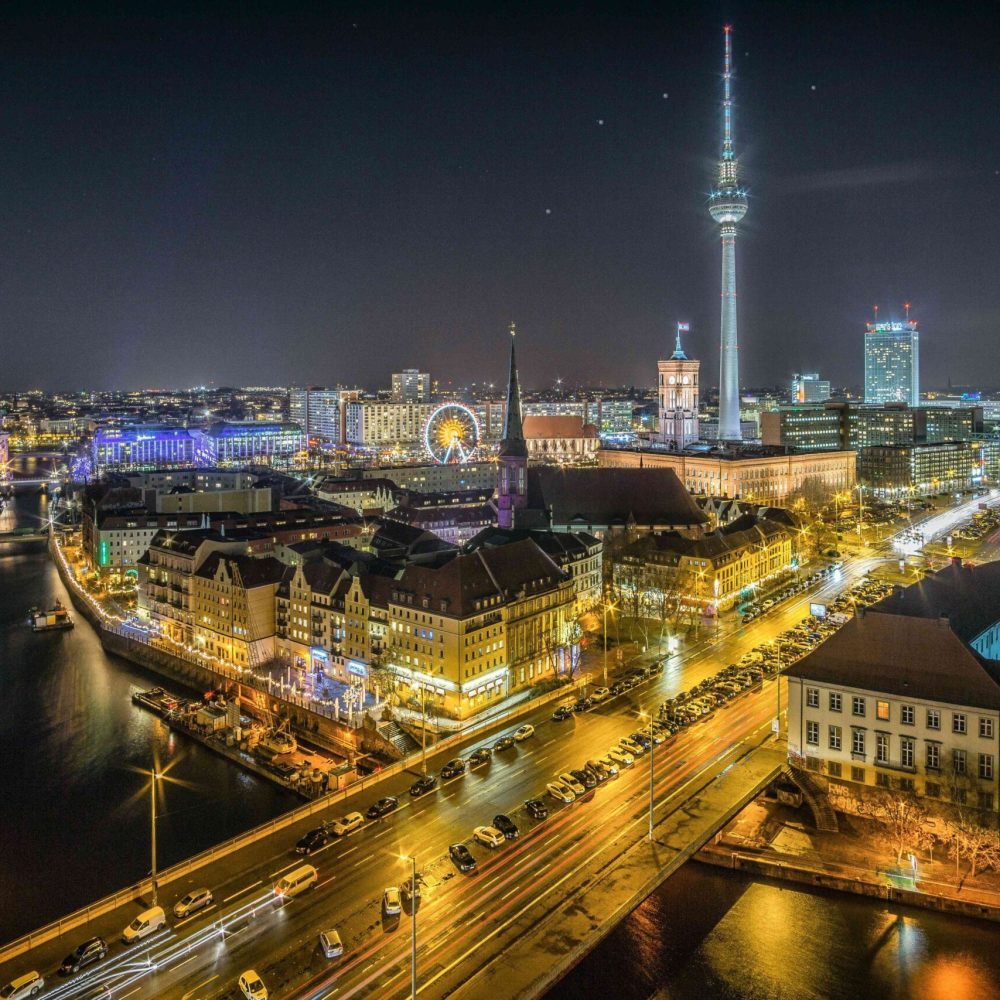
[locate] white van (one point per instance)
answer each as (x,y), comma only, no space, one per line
(304,877)
(24,986)
(148,922)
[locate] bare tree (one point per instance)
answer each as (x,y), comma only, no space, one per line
(901,813)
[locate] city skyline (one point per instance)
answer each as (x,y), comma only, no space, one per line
(322,190)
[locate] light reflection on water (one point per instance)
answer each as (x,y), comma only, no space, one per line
(75,822)
(708,934)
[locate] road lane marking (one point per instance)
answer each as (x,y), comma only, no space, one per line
(285,869)
(130,992)
(243,890)
(191,993)
(511,893)
(492,880)
(362,861)
(538,871)
(350,851)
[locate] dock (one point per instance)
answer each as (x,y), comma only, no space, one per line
(305,771)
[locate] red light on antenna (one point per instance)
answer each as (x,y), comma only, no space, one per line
(728,28)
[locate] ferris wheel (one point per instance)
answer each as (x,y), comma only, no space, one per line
(451,434)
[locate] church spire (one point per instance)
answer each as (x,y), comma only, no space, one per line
(513,429)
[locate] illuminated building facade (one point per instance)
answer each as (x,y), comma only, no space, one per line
(728,206)
(809,388)
(677,387)
(892,363)
(144,446)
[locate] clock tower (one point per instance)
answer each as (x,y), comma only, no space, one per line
(678,392)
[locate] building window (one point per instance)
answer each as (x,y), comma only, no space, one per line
(933,789)
(834,737)
(881,711)
(812,733)
(881,748)
(881,779)
(933,757)
(812,697)
(986,766)
(835,700)
(906,751)
(906,715)
(933,718)
(986,801)
(958,761)
(857,705)
(906,785)
(958,722)
(986,728)
(834,768)
(858,742)
(958,795)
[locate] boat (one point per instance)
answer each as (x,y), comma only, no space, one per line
(278,741)
(57,617)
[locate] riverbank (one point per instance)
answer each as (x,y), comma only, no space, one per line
(769,840)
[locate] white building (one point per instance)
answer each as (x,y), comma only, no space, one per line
(907,699)
(411,386)
(374,423)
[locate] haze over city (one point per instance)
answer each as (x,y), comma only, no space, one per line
(192,197)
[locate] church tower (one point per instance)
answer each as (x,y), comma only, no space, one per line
(678,391)
(512,461)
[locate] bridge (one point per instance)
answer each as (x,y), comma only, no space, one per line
(23,535)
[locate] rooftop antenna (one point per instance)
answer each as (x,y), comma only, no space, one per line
(906,306)
(727,99)
(876,314)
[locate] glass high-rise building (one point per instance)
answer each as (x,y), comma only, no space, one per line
(892,363)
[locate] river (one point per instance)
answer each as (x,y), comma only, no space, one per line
(76,818)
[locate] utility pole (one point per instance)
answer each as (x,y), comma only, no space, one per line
(152,824)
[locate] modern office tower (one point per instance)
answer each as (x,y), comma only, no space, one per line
(678,392)
(808,387)
(727,206)
(892,363)
(317,412)
(411,386)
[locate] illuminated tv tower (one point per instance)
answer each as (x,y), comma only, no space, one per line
(727,205)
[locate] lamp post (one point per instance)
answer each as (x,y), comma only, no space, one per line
(607,607)
(777,687)
(652,747)
(152,827)
(412,858)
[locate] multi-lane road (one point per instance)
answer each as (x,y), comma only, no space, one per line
(463,920)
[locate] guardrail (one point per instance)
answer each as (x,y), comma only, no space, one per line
(134,892)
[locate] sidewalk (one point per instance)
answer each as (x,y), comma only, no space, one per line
(771,839)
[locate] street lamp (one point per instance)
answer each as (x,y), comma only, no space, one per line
(153,776)
(412,858)
(608,606)
(652,746)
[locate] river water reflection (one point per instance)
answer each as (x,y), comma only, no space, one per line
(75,822)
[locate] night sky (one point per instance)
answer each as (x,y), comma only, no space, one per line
(322,194)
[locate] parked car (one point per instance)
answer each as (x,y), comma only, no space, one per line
(575,784)
(504,743)
(453,768)
(609,765)
(598,771)
(561,713)
(462,857)
(560,791)
(24,986)
(506,826)
(525,732)
(383,807)
(600,694)
(196,899)
(411,888)
(347,824)
(537,809)
(424,784)
(315,839)
(582,704)
(252,986)
(92,950)
(585,777)
(621,756)
(488,835)
(480,755)
(330,944)
(392,905)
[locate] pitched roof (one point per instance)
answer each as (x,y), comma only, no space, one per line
(467,580)
(612,496)
(557,427)
(894,654)
(254,572)
(968,595)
